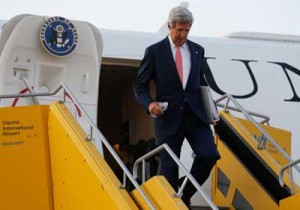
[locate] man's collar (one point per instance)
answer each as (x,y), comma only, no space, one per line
(173,45)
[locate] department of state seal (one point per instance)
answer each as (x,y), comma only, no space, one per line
(58,36)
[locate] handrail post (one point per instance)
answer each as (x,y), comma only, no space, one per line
(91,134)
(143,171)
(124,180)
(179,194)
(64,96)
(289,165)
(292,180)
(226,105)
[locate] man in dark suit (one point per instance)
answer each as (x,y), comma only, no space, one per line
(176,66)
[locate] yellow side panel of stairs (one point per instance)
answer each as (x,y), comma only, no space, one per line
(81,177)
(47,163)
(25,176)
(273,159)
(290,203)
(160,193)
(241,180)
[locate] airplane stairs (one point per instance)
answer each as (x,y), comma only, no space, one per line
(48,162)
(252,166)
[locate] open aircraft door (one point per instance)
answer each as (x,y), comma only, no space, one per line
(38,54)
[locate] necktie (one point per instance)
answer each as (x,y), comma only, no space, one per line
(178,61)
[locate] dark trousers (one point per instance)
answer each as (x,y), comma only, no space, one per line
(200,138)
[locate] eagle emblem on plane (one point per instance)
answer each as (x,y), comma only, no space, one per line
(58,36)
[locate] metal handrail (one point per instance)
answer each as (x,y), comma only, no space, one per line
(248,114)
(287,166)
(180,165)
(94,127)
(35,94)
(266,118)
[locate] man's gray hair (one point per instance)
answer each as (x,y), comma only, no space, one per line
(180,15)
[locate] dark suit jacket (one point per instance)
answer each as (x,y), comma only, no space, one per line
(158,65)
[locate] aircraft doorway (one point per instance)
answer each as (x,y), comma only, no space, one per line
(120,118)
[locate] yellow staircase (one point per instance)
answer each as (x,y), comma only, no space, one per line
(247,176)
(47,163)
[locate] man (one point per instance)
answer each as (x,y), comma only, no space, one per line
(176,66)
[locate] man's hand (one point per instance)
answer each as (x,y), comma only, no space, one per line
(155,109)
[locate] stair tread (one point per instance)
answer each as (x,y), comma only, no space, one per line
(208,208)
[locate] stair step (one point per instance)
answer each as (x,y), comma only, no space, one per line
(208,208)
